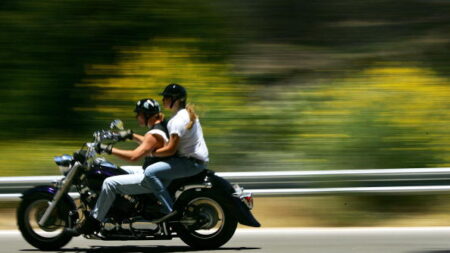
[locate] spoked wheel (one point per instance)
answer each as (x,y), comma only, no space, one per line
(52,236)
(206,223)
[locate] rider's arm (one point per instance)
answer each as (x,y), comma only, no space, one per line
(170,149)
(149,143)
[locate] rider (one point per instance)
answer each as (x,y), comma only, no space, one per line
(186,148)
(148,114)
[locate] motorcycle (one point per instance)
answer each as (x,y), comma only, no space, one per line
(208,206)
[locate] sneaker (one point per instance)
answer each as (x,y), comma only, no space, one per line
(87,227)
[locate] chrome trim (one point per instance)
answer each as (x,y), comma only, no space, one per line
(239,193)
(244,197)
(206,185)
(165,231)
(65,187)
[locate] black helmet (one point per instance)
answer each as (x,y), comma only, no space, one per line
(148,106)
(175,91)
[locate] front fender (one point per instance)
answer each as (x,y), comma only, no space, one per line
(49,189)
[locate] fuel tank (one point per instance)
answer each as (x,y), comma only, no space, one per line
(100,170)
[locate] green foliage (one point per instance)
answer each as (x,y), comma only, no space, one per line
(382,117)
(279,85)
(47,45)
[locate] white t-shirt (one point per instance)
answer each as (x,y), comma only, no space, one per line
(161,133)
(192,143)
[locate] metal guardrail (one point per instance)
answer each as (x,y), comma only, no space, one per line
(287,183)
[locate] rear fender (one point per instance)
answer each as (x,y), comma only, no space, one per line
(239,208)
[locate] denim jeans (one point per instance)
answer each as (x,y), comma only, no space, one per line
(124,184)
(159,175)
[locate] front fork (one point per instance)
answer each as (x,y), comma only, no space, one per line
(60,193)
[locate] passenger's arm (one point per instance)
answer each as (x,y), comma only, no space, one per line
(149,143)
(170,149)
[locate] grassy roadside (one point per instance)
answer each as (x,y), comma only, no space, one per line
(329,211)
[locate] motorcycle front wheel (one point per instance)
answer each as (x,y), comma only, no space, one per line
(51,237)
(206,222)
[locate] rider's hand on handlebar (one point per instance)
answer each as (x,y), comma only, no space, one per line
(125,135)
(103,148)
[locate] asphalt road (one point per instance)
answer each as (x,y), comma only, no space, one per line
(312,240)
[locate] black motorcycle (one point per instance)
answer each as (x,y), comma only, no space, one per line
(208,206)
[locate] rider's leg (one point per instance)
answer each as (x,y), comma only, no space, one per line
(123,184)
(133,169)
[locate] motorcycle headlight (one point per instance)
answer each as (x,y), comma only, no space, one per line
(63,163)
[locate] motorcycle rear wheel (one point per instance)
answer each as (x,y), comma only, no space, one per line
(50,237)
(206,223)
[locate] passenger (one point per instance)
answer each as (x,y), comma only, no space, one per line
(186,148)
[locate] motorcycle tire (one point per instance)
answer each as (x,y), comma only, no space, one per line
(212,223)
(29,212)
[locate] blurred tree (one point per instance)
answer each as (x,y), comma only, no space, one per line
(357,33)
(274,50)
(47,45)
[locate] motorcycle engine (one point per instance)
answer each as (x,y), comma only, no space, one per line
(123,207)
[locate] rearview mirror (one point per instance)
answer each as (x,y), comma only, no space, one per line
(117,124)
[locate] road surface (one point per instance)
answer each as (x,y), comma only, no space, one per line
(295,240)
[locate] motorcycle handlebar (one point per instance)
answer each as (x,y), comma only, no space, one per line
(104,135)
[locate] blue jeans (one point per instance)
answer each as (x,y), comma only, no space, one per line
(159,175)
(130,184)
